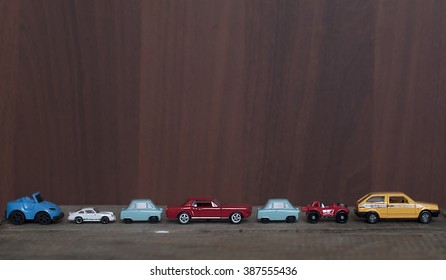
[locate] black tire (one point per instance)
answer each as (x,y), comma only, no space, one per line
(264,220)
(43,218)
(313,217)
(290,219)
(127,221)
(153,220)
(236,218)
(341,217)
(78,220)
(372,218)
(17,217)
(183,218)
(105,220)
(425,217)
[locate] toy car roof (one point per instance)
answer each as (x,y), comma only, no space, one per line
(202,198)
(386,193)
(141,200)
(278,199)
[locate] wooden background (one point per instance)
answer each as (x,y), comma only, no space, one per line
(105,101)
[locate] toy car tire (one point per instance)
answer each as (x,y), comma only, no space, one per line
(153,220)
(43,218)
(372,218)
(341,217)
(127,221)
(78,220)
(105,220)
(183,218)
(290,219)
(236,218)
(313,217)
(264,220)
(425,217)
(17,217)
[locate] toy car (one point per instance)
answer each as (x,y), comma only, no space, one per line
(317,210)
(207,208)
(278,210)
(141,210)
(91,215)
(394,205)
(35,209)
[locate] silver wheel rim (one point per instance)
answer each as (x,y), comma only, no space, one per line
(425,217)
(78,220)
(372,218)
(184,218)
(236,218)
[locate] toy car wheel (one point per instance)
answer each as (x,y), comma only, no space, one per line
(236,218)
(184,218)
(341,217)
(313,217)
(153,220)
(425,217)
(290,219)
(105,220)
(372,218)
(17,217)
(78,220)
(43,218)
(127,221)
(264,220)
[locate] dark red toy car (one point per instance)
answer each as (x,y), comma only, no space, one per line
(318,210)
(207,208)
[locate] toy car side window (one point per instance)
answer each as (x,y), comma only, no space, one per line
(287,205)
(81,212)
(150,206)
(376,199)
(140,205)
(204,204)
(89,211)
(214,204)
(278,205)
(397,199)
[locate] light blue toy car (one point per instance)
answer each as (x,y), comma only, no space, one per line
(141,210)
(35,209)
(278,209)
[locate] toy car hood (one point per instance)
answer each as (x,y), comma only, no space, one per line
(429,205)
(106,212)
(50,205)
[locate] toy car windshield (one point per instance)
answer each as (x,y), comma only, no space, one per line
(39,198)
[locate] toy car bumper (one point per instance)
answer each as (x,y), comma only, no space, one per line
(360,214)
(435,213)
(58,217)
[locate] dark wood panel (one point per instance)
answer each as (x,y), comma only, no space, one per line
(76,130)
(260,99)
(105,101)
(8,88)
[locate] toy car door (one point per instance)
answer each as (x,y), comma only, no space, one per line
(90,215)
(207,209)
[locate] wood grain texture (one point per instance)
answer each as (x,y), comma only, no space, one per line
(105,101)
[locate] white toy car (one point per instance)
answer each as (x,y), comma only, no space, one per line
(91,215)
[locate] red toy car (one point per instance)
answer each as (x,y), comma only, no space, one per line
(318,210)
(207,208)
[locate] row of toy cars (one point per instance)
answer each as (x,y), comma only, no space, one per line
(373,206)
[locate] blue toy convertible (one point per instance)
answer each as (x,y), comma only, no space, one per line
(34,209)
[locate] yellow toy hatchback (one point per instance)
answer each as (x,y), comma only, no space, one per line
(394,205)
